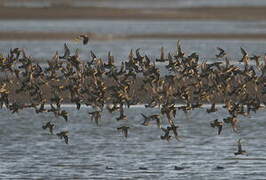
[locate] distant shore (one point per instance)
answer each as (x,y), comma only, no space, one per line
(197,13)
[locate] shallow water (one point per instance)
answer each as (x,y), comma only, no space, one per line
(134,27)
(121,48)
(27,151)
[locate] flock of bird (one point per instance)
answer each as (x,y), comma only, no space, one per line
(103,84)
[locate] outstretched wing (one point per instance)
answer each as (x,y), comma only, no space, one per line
(93,55)
(220,49)
(244,53)
(67,52)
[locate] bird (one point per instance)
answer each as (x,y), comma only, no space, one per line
(174,129)
(221,54)
(179,52)
(124,130)
(187,80)
(162,59)
(148,119)
(96,116)
(66,53)
(240,151)
(245,57)
(212,109)
(179,168)
(122,115)
(233,121)
(50,126)
(64,114)
(63,134)
(166,135)
(217,124)
(219,167)
(256,59)
(85,38)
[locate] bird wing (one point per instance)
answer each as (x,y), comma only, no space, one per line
(220,129)
(239,146)
(85,40)
(45,126)
(66,139)
(121,109)
(213,106)
(178,46)
(126,132)
(137,53)
(220,49)
(158,123)
(162,53)
(67,51)
(164,130)
(93,55)
(51,129)
(65,117)
(170,57)
(227,62)
(130,55)
(244,53)
(144,116)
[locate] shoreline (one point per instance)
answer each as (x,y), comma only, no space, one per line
(196,13)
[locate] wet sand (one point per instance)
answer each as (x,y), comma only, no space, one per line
(199,13)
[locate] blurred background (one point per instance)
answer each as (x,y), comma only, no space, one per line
(41,27)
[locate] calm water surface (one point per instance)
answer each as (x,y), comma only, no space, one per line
(121,48)
(134,27)
(27,151)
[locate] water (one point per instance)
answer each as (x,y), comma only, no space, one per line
(135,27)
(121,48)
(27,151)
